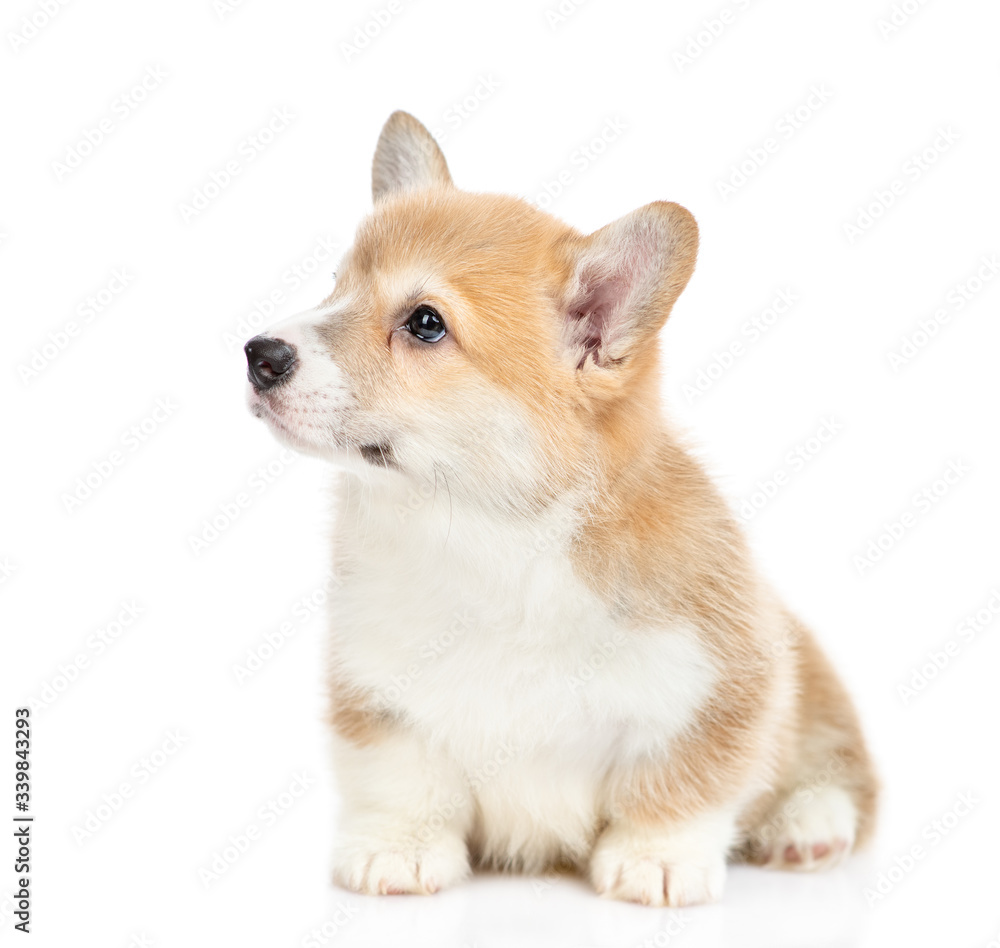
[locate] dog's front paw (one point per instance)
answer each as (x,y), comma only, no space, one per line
(653,880)
(653,869)
(379,867)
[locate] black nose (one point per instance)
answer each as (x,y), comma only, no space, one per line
(269,361)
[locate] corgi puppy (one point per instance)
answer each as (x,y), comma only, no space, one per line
(548,645)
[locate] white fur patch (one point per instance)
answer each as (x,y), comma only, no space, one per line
(682,866)
(308,410)
(478,634)
(399,835)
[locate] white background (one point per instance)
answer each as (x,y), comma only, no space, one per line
(514,93)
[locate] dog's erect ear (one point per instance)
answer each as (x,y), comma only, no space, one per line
(626,278)
(406,157)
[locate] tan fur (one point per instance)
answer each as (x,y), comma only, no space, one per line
(353,716)
(660,539)
(658,545)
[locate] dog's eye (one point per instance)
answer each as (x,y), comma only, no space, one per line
(425,323)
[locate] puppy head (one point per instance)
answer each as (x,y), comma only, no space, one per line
(476,338)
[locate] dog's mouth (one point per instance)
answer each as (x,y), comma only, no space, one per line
(380,455)
(376,453)
(261,407)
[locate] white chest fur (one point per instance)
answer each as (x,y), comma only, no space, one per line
(479,633)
